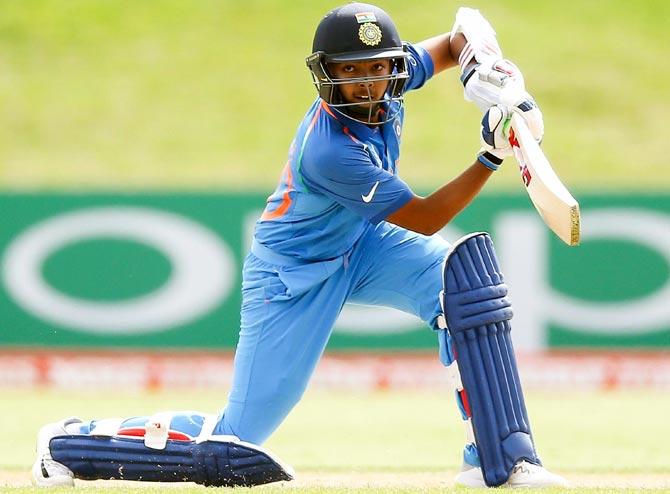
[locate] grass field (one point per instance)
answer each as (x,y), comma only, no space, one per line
(207,94)
(395,441)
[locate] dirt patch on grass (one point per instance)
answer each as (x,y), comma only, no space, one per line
(429,480)
(632,480)
(394,480)
(13,478)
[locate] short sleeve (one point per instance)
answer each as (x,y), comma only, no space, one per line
(419,65)
(347,175)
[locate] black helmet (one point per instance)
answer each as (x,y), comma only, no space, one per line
(353,33)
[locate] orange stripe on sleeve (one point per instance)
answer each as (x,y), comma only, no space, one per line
(286,198)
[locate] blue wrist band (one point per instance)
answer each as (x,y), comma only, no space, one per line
(489,160)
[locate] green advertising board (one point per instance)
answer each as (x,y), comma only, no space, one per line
(163,271)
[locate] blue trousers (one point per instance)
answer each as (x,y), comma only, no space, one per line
(289,309)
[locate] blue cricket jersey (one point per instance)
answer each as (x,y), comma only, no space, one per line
(340,177)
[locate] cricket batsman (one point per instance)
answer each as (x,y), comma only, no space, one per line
(342,226)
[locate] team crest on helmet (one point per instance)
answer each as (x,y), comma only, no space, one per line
(370,34)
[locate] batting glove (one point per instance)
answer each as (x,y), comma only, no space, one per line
(494,136)
(500,82)
(521,102)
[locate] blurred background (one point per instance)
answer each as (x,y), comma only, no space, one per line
(206,95)
(140,140)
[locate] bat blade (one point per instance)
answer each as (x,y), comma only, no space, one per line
(556,206)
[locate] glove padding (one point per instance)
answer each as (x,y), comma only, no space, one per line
(494,134)
(500,82)
(523,104)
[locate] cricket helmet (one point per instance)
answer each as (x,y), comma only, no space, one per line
(358,32)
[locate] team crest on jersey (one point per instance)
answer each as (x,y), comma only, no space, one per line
(370,34)
(398,127)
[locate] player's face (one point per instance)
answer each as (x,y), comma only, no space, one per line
(362,92)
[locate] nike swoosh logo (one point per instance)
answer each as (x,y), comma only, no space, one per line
(368,198)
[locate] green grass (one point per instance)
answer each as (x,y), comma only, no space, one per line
(338,432)
(207,94)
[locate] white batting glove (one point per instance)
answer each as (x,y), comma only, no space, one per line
(494,134)
(500,82)
(522,103)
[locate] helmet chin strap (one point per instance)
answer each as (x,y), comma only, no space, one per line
(358,112)
(362,114)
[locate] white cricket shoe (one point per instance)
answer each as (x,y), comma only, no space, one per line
(472,477)
(524,474)
(47,472)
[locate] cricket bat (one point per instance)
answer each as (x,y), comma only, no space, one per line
(556,206)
